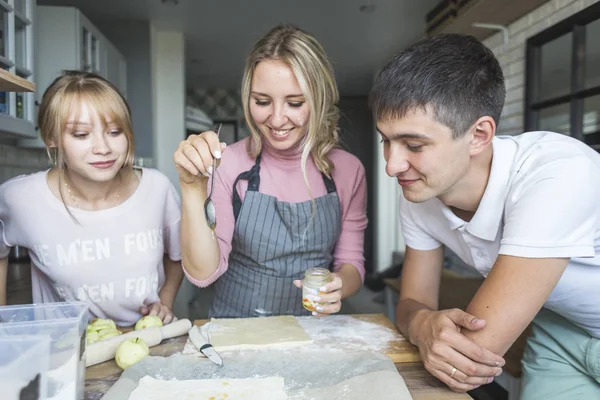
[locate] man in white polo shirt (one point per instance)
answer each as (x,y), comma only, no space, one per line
(523,210)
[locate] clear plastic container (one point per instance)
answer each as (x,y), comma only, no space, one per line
(66,324)
(24,363)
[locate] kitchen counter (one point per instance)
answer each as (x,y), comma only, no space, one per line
(421,384)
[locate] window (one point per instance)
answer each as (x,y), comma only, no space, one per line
(563,78)
(16,55)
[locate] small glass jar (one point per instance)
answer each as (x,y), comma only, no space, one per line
(314,278)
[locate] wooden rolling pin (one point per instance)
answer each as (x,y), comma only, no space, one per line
(106,349)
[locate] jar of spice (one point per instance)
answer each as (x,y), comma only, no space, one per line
(314,278)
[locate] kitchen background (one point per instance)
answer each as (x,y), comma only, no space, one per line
(179,63)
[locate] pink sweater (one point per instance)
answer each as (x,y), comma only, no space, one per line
(281,177)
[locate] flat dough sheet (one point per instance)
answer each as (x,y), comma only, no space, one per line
(380,385)
(251,333)
(210,389)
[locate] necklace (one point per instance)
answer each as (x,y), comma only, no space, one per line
(76,204)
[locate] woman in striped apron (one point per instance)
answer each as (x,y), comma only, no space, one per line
(287,198)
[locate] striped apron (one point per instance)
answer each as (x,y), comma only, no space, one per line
(274,242)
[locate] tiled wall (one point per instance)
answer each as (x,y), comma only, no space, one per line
(217,103)
(16,161)
(512,56)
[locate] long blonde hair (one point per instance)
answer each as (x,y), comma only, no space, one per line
(307,59)
(64,97)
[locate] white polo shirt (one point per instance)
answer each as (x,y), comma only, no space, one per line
(542,201)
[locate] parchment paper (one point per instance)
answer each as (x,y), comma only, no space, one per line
(307,375)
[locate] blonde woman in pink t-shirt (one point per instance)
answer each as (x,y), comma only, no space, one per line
(97,229)
(287,199)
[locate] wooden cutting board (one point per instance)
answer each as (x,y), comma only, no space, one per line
(369,332)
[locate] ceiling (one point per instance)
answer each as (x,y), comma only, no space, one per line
(219,34)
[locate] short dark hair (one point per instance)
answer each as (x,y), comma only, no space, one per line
(454,74)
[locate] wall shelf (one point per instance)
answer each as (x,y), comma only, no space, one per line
(10,82)
(485,11)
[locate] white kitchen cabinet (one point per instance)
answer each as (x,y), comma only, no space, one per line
(116,68)
(17,60)
(67,40)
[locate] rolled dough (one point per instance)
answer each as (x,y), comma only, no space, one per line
(251,333)
(210,389)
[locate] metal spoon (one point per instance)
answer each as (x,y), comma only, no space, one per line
(209,207)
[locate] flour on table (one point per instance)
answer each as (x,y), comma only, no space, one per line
(251,333)
(348,333)
(380,385)
(270,388)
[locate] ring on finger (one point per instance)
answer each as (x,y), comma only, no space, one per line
(453,372)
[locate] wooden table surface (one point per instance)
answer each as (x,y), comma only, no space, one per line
(421,384)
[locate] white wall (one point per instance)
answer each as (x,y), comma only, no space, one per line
(167,68)
(167,71)
(512,58)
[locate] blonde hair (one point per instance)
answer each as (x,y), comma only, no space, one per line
(64,97)
(307,59)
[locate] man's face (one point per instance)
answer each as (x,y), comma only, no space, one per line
(421,153)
